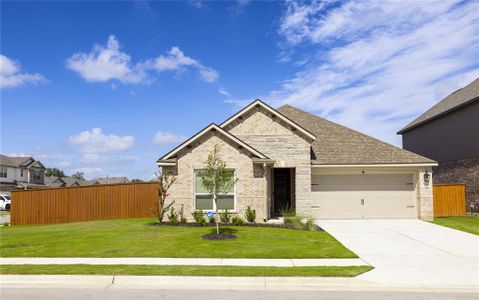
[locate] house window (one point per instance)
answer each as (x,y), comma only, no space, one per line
(3,172)
(21,172)
(204,201)
(36,174)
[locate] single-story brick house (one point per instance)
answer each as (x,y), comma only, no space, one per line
(288,158)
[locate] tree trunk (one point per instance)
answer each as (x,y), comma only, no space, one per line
(217,215)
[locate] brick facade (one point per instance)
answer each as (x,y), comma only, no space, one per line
(288,148)
(251,185)
(461,171)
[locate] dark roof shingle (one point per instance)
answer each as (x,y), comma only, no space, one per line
(337,144)
(467,94)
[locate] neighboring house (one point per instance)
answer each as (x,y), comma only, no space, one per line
(52,181)
(110,180)
(70,181)
(21,172)
(288,158)
(449,133)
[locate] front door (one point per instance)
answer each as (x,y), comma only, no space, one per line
(282,191)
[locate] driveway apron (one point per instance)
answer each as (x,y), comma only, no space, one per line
(410,252)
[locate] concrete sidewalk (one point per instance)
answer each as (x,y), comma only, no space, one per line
(185,261)
(215,283)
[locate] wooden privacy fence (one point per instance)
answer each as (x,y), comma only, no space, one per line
(449,200)
(72,204)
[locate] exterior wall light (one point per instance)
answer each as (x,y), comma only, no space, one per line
(427,178)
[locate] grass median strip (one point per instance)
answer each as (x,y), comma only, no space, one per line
(139,270)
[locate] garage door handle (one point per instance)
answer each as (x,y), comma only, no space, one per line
(410,206)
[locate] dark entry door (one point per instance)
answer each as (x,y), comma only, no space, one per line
(282,191)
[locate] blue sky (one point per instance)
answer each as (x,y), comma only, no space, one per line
(108,87)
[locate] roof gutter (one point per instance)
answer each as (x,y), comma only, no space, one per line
(434,164)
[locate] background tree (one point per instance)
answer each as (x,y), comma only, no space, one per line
(216,179)
(136,180)
(55,172)
(78,175)
(164,183)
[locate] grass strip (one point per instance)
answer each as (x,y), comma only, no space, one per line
(468,224)
(322,271)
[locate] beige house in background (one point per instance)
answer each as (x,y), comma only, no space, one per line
(288,158)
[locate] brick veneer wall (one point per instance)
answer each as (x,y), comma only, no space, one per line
(461,171)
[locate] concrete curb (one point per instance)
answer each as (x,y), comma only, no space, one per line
(184,261)
(215,283)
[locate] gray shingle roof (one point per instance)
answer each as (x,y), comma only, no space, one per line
(111,180)
(337,144)
(459,98)
(15,161)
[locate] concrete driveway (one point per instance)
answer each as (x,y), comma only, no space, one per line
(410,252)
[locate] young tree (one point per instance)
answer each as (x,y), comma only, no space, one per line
(78,175)
(164,183)
(55,172)
(216,179)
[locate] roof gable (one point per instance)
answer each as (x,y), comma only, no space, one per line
(275,113)
(339,145)
(211,127)
(458,99)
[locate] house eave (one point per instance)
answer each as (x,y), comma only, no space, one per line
(271,110)
(393,165)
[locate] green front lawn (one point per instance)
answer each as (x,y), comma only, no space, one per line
(466,223)
(4,213)
(138,238)
(183,270)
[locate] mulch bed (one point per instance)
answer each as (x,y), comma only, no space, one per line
(227,224)
(221,236)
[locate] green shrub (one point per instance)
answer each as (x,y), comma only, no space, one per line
(296,223)
(181,214)
(225,216)
(293,222)
(250,214)
(287,211)
(199,217)
(212,219)
(237,220)
(310,225)
(173,216)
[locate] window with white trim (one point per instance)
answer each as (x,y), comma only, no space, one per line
(3,172)
(204,200)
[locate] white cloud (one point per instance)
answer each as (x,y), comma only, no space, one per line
(11,75)
(377,65)
(224,92)
(196,3)
(89,171)
(105,63)
(95,141)
(64,164)
(167,138)
(176,60)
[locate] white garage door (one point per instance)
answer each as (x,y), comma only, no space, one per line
(363,196)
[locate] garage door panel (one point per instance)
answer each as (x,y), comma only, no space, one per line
(357,196)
